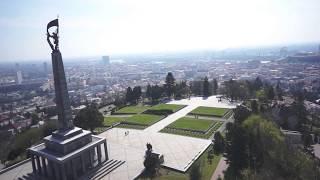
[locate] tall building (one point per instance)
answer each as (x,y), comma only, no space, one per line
(105,60)
(19,77)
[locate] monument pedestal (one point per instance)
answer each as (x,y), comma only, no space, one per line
(70,151)
(68,154)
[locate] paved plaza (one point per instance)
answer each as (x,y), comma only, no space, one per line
(179,151)
(211,101)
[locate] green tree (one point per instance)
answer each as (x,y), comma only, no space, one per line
(279,91)
(261,95)
(299,109)
(215,86)
(170,84)
(257,84)
(129,95)
(236,151)
(156,92)
(35,118)
(148,91)
(196,87)
(270,93)
(219,143)
(254,106)
(136,93)
(206,87)
(181,89)
(195,173)
(89,118)
(307,143)
(256,149)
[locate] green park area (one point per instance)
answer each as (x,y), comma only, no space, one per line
(188,126)
(139,121)
(132,109)
(209,111)
(164,109)
(143,119)
(172,107)
(206,164)
(192,124)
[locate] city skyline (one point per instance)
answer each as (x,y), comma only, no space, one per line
(113,27)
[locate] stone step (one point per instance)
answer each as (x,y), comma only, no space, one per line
(101,167)
(115,166)
(107,169)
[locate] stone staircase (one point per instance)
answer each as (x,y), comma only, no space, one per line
(31,176)
(104,169)
(95,174)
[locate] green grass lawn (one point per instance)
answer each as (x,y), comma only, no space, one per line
(143,119)
(132,109)
(192,124)
(207,168)
(108,121)
(209,111)
(172,107)
(192,134)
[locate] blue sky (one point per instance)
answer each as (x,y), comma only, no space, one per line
(99,27)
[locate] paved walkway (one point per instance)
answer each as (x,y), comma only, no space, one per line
(119,115)
(220,168)
(170,119)
(191,104)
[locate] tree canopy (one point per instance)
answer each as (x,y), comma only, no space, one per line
(89,118)
(170,83)
(256,149)
(206,92)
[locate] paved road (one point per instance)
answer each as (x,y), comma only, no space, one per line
(219,170)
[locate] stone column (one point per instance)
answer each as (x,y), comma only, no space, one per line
(99,153)
(83,165)
(38,165)
(106,150)
(44,165)
(91,156)
(50,169)
(74,170)
(63,172)
(34,169)
(56,171)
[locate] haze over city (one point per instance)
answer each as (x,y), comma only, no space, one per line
(100,27)
(165,90)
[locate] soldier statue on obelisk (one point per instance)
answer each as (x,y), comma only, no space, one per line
(60,84)
(70,152)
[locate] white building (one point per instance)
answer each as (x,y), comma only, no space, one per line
(19,77)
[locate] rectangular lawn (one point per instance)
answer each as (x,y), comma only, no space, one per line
(108,121)
(209,111)
(132,110)
(173,107)
(144,119)
(192,124)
